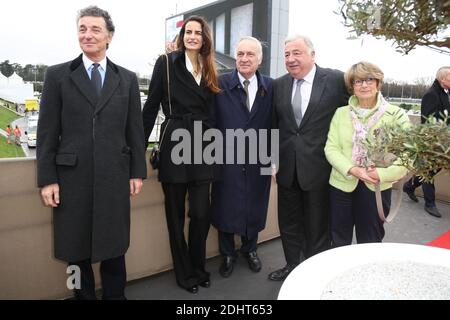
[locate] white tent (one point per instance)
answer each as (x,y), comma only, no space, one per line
(15,89)
(14,79)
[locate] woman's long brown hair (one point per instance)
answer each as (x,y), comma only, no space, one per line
(207,52)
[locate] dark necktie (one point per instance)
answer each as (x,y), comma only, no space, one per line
(448,94)
(246,84)
(297,102)
(96,79)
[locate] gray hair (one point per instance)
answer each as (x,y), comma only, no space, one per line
(442,72)
(94,11)
(296,37)
(259,50)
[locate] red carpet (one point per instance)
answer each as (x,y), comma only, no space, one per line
(442,242)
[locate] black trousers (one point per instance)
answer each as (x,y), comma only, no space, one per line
(114,278)
(188,258)
(227,245)
(303,218)
(427,188)
(357,209)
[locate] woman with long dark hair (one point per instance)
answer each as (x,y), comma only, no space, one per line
(186,92)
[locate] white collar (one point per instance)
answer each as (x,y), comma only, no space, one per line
(189,65)
(242,79)
(88,62)
(309,78)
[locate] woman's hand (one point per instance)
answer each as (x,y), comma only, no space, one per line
(366,175)
(373,173)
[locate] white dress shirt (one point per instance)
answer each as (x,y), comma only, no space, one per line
(190,68)
(252,88)
(306,88)
(88,65)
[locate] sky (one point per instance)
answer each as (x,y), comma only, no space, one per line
(45,32)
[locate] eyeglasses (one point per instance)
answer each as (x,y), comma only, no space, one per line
(368,81)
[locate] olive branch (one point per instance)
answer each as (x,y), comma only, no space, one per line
(421,148)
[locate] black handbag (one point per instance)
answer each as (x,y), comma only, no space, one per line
(154,157)
(155,152)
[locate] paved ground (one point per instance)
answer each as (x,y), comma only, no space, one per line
(412,225)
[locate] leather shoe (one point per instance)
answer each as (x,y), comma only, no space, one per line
(410,194)
(193,289)
(226,268)
(254,263)
(280,274)
(205,284)
(433,211)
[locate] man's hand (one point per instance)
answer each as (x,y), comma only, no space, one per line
(50,195)
(135,186)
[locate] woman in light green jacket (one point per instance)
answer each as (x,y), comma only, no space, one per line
(353,176)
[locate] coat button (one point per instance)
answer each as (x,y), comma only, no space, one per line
(243,169)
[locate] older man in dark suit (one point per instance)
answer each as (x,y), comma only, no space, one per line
(240,199)
(90,157)
(435,101)
(304,103)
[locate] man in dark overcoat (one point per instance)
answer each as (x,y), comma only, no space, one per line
(434,103)
(90,157)
(240,199)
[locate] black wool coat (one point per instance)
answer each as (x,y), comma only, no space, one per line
(91,146)
(435,102)
(190,103)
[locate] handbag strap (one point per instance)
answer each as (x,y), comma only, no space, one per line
(170,100)
(397,204)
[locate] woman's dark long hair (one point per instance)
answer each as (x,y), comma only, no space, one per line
(207,52)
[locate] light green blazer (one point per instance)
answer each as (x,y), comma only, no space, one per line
(338,148)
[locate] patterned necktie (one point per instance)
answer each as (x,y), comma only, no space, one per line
(96,79)
(297,102)
(246,84)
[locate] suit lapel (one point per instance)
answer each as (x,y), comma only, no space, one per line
(237,94)
(81,79)
(110,85)
(260,94)
(186,78)
(318,87)
(286,93)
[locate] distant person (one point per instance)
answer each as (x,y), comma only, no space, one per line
(240,198)
(435,101)
(9,133)
(90,158)
(304,103)
(18,135)
(172,46)
(192,83)
(353,176)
